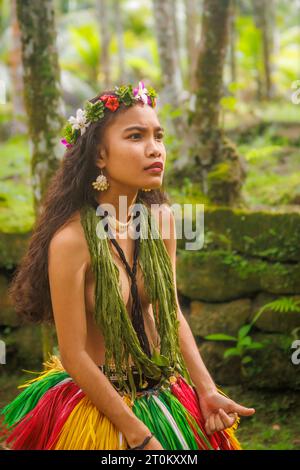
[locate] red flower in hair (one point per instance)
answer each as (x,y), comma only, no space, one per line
(111,102)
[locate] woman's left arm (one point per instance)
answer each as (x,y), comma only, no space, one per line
(218,411)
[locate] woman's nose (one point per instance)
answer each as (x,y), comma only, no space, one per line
(154,147)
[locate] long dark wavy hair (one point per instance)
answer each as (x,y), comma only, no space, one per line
(69,189)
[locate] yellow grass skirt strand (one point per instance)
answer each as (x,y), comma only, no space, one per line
(233,440)
(87,428)
(53,364)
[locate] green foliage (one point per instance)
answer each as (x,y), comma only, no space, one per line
(241,264)
(249,45)
(16,197)
(220,337)
(273,178)
(282,305)
(233,87)
(125,94)
(188,193)
(275,425)
(136,17)
(70,135)
(94,111)
(141,66)
(228,103)
(263,153)
(243,343)
(220,173)
(85,40)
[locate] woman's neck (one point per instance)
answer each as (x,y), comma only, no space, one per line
(119,205)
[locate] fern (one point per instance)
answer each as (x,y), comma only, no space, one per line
(282,305)
(243,342)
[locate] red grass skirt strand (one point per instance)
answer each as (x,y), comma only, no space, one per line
(188,397)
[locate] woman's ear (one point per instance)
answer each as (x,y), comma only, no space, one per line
(101,158)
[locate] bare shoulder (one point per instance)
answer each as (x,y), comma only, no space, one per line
(165,220)
(69,241)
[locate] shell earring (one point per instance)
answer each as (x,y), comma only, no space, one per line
(101,183)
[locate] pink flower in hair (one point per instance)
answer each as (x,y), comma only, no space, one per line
(66,144)
(140,93)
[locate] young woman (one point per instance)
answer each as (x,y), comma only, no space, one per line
(129,374)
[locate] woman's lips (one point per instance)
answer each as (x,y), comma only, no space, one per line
(154,169)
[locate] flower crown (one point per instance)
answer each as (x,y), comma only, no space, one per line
(93,112)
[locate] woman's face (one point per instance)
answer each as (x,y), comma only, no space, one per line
(128,152)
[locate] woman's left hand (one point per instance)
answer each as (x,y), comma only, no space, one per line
(220,412)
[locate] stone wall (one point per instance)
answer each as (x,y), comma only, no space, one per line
(249,259)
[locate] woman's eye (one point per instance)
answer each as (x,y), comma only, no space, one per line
(134,135)
(159,136)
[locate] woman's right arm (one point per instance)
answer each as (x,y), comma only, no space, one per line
(67,264)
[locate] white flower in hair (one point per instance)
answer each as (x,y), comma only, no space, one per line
(80,122)
(140,93)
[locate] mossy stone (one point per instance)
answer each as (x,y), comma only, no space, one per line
(209,318)
(221,275)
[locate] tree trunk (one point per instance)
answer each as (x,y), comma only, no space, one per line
(232,40)
(42,97)
(170,68)
(64,6)
(103,15)
(214,162)
(16,73)
(191,44)
(171,78)
(177,37)
(120,40)
(262,15)
(213,46)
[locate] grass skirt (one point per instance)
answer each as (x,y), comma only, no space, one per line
(53,413)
